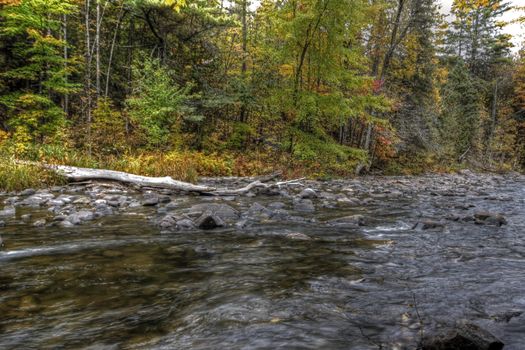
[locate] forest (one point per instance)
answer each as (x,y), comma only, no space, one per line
(322,88)
(262,174)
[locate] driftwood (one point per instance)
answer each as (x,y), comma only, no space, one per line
(76,174)
(254,185)
(85,174)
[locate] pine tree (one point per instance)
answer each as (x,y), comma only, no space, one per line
(462,111)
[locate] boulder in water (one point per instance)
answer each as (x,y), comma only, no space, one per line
(351,220)
(488,218)
(209,221)
(466,336)
(308,193)
(223,211)
(304,205)
(8,212)
(428,225)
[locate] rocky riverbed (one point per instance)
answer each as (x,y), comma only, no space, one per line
(343,264)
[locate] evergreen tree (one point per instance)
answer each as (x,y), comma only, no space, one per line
(462,111)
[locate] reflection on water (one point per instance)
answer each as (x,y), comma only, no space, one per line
(125,285)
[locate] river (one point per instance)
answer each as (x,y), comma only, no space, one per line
(291,281)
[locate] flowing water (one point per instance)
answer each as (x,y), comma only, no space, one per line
(121,283)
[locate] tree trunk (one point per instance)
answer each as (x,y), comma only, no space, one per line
(243,112)
(87,83)
(65,102)
(97,49)
(112,49)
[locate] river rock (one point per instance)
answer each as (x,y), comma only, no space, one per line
(25,217)
(8,212)
(11,200)
(55,203)
(258,210)
(276,205)
(28,192)
(2,223)
(39,223)
(79,217)
(488,218)
(308,193)
(223,211)
(66,223)
(209,221)
(298,236)
(150,201)
(185,224)
(164,199)
(103,210)
(36,200)
(167,222)
(82,200)
(351,220)
(171,206)
(304,205)
(466,336)
(428,225)
(506,316)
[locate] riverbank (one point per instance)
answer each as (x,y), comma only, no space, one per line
(17,174)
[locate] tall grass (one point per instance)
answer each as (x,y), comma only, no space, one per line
(15,176)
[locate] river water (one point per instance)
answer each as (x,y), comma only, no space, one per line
(121,283)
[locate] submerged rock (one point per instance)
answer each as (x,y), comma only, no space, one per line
(308,193)
(79,217)
(209,221)
(298,236)
(150,201)
(304,205)
(224,211)
(428,225)
(185,224)
(39,223)
(28,192)
(8,212)
(351,220)
(488,218)
(466,336)
(258,210)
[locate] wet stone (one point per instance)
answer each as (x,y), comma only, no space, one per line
(351,220)
(150,201)
(258,210)
(28,192)
(79,217)
(224,211)
(308,193)
(488,218)
(39,223)
(466,336)
(304,205)
(298,236)
(428,225)
(185,224)
(8,212)
(276,205)
(209,221)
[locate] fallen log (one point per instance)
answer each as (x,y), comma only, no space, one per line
(76,174)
